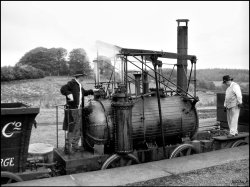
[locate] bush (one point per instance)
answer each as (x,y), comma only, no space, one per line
(20,72)
(7,73)
(28,72)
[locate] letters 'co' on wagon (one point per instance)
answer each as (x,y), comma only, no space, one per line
(16,125)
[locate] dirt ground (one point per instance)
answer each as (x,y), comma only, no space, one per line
(234,173)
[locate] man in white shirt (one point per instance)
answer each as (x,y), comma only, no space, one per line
(232,103)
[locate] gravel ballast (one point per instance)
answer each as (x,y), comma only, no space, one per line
(234,173)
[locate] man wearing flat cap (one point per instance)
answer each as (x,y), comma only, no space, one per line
(74,93)
(232,103)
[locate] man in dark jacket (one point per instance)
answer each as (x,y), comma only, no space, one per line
(74,93)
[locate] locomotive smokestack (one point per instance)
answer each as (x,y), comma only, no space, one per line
(182,46)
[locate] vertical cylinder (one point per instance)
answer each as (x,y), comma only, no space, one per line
(182,46)
(122,71)
(137,84)
(96,71)
(160,72)
(122,113)
(145,82)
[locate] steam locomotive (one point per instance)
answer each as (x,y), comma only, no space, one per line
(121,128)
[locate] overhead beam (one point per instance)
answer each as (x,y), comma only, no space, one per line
(161,54)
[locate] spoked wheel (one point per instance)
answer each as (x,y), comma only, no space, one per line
(239,143)
(118,160)
(8,177)
(183,150)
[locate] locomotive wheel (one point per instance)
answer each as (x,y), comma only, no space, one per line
(183,150)
(8,177)
(118,160)
(239,143)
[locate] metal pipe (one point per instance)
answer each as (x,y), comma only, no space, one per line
(56,126)
(126,77)
(142,77)
(137,84)
(96,70)
(195,78)
(145,79)
(143,105)
(113,84)
(159,107)
(160,72)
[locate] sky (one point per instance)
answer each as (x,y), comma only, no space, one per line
(218,31)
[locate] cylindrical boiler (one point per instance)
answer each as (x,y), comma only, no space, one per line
(179,119)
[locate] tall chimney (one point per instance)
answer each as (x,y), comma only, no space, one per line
(182,46)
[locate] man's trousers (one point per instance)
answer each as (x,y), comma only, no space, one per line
(232,119)
(75,127)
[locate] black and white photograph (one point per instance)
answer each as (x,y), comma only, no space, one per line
(124,93)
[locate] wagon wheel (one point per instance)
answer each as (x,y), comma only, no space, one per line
(8,177)
(118,160)
(239,143)
(183,150)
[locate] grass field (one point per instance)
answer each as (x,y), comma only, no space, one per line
(45,94)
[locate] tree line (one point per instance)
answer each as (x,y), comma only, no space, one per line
(40,62)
